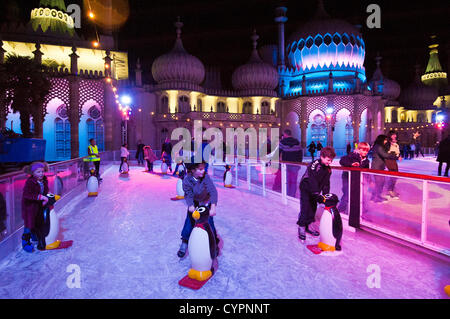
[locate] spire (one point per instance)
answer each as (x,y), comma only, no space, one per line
(255,56)
(378,75)
(178,43)
(434,74)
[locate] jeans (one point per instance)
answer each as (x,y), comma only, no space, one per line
(122,159)
(140,158)
(308,207)
(97,168)
(440,169)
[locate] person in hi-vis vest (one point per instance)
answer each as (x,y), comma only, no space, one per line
(94,157)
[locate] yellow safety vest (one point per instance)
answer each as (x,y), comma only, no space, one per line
(94,157)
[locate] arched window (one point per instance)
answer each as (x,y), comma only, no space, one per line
(265,107)
(199,105)
(221,107)
(62,138)
(394,116)
(95,127)
(164,106)
(420,118)
(183,104)
(247,108)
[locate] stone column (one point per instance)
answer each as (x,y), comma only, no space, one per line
(303,121)
(74,114)
(330,123)
(74,61)
(356,119)
(38,118)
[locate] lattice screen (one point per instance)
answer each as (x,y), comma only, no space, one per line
(92,89)
(59,89)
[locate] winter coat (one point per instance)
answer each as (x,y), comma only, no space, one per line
(149,155)
(379,156)
(290,150)
(354,157)
(444,151)
(316,179)
(31,206)
(312,148)
(201,190)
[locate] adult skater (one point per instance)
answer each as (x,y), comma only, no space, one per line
(94,157)
(357,158)
(140,153)
(199,189)
(379,156)
(291,151)
(312,150)
(33,202)
(315,181)
(444,155)
(166,153)
(123,155)
(392,147)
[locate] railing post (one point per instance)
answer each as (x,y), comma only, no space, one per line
(248,176)
(423,232)
(236,168)
(355,191)
(283,183)
(264,178)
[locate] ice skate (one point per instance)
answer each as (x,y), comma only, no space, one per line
(302,234)
(182,251)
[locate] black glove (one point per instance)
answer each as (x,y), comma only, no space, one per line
(319,198)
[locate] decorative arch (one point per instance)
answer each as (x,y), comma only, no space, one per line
(247,108)
(343,131)
(56,130)
(184,105)
(317,128)
(164,104)
(91,126)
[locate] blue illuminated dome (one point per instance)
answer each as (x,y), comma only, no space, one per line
(325,44)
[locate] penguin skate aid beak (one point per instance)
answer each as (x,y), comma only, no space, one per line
(196,214)
(57,197)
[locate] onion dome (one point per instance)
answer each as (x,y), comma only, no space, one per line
(51,16)
(178,65)
(255,74)
(326,43)
(418,96)
(390,89)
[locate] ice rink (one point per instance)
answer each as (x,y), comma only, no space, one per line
(125,243)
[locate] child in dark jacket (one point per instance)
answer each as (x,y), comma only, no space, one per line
(316,180)
(199,189)
(33,202)
(357,158)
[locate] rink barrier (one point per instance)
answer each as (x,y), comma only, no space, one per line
(70,173)
(356,186)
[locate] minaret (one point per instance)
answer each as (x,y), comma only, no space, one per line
(281,19)
(434,74)
(138,73)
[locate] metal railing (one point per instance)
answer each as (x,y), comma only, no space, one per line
(420,216)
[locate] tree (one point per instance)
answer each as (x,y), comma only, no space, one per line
(24,84)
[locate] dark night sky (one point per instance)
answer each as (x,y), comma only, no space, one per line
(218,31)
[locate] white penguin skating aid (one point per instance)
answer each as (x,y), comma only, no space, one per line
(202,251)
(228,177)
(92,184)
(330,229)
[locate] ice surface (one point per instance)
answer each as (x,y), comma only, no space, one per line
(126,240)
